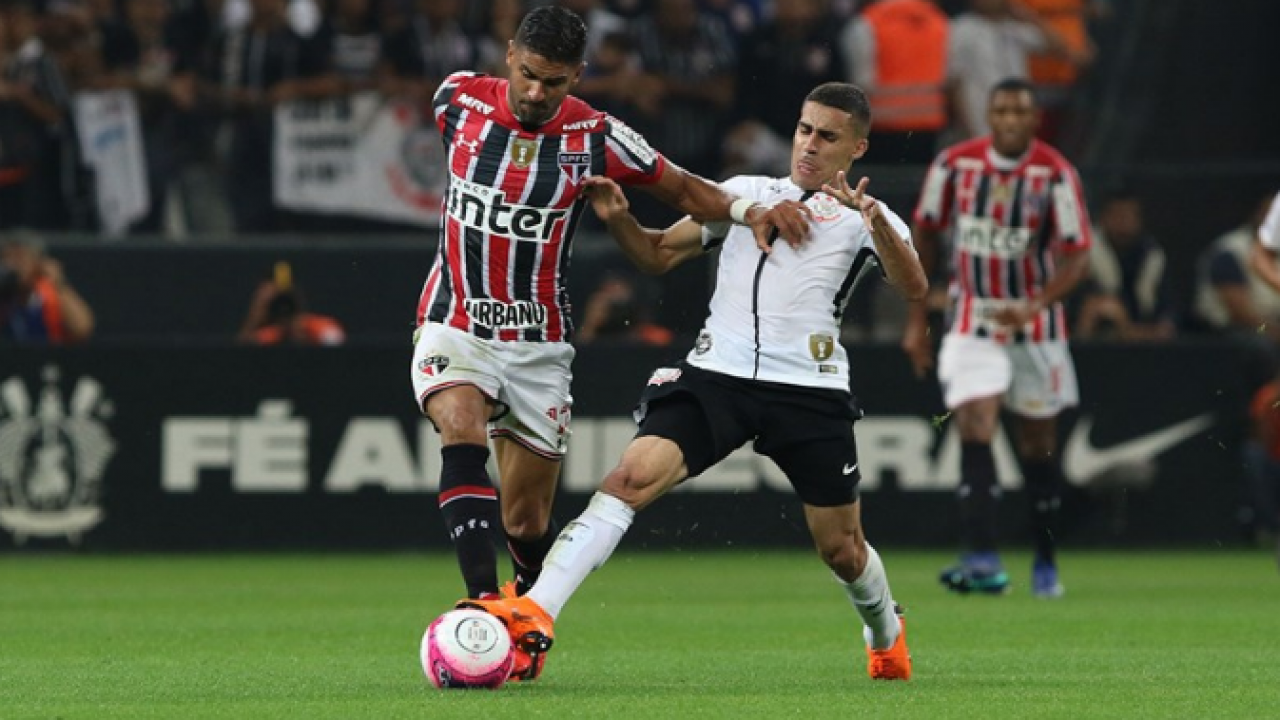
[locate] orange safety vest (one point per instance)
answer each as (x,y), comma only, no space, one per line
(911,65)
(1067,17)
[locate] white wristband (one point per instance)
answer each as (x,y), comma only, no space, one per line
(738,210)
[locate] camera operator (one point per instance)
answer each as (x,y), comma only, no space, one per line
(37,304)
(278,316)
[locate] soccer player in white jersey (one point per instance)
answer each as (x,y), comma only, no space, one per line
(767,368)
(1011,208)
(492,350)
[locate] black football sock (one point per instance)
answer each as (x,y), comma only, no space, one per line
(1043,484)
(979,495)
(527,556)
(469,506)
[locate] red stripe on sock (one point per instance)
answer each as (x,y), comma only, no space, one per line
(479,491)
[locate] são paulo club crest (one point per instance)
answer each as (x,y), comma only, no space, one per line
(53,452)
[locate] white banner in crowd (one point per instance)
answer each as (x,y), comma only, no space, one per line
(111,137)
(361,155)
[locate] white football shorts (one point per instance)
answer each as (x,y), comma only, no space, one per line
(528,382)
(1037,380)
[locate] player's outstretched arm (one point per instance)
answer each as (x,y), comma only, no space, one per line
(705,201)
(915,336)
(901,264)
(653,251)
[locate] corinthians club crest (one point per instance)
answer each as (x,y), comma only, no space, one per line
(52,456)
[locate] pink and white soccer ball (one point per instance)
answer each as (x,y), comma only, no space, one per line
(467,649)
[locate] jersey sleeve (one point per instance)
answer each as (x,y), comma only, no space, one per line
(933,211)
(1269,231)
(446,92)
(1072,231)
(628,156)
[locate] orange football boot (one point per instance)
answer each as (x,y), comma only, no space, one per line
(531,629)
(894,663)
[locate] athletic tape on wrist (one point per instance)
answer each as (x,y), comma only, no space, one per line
(738,210)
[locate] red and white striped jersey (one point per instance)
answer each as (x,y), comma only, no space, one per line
(511,207)
(1003,220)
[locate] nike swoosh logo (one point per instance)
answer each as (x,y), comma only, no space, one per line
(1082,461)
(848,469)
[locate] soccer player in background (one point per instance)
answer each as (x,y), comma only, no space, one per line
(492,350)
(1012,210)
(767,367)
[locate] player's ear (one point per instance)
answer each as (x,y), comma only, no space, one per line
(860,149)
(577,74)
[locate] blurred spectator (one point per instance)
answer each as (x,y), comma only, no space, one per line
(1055,77)
(896,51)
(278,315)
(614,83)
(351,35)
(426,50)
(615,312)
(692,55)
(37,304)
(783,60)
(1268,245)
(600,21)
(1231,294)
(1126,296)
(37,147)
(740,16)
(145,52)
(1262,463)
(303,16)
(503,18)
(991,42)
(254,68)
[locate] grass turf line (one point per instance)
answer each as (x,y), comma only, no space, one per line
(694,634)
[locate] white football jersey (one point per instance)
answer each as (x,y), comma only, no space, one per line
(776,317)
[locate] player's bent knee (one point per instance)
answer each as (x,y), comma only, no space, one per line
(631,485)
(526,522)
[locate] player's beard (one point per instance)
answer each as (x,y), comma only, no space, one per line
(533,115)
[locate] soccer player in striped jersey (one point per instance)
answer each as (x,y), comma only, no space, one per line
(767,369)
(492,350)
(1017,228)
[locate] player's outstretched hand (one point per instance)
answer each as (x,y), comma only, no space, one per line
(854,198)
(606,197)
(789,218)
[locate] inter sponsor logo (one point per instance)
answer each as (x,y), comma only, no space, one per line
(485,208)
(982,236)
(506,316)
(471,103)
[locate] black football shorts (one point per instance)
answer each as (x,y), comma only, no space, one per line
(807,431)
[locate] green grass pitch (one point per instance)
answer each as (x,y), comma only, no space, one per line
(675,635)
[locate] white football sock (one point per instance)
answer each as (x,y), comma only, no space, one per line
(584,545)
(874,603)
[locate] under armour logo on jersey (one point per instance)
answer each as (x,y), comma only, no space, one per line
(461,141)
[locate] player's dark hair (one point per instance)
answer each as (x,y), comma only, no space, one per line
(555,33)
(1014,84)
(846,97)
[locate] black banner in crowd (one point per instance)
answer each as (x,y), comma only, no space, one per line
(246,448)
